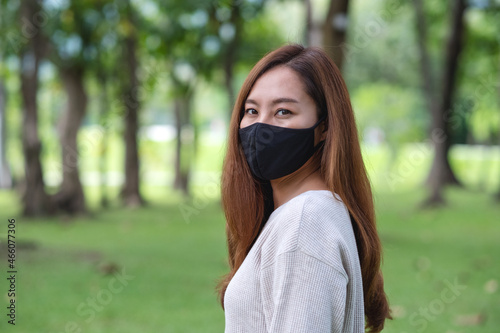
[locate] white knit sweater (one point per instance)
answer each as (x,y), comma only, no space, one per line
(302,275)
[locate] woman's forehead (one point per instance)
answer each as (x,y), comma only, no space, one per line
(278,83)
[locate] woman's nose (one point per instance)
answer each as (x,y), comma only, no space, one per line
(265,117)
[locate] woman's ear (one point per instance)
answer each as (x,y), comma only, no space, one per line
(320,131)
(323,135)
(323,128)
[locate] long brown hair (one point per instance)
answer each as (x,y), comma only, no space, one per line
(246,200)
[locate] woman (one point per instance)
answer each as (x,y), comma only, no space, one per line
(304,253)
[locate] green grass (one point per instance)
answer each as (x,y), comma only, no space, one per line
(424,249)
(174,262)
(174,251)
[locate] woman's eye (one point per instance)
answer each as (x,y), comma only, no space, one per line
(283,112)
(251,111)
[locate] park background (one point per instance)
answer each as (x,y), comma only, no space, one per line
(113,119)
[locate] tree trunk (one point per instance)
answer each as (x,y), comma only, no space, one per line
(35,200)
(441,173)
(230,54)
(497,196)
(228,80)
(313,34)
(309,23)
(104,105)
(334,30)
(70,197)
(428,83)
(5,176)
(184,143)
(130,194)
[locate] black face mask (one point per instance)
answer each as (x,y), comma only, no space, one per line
(273,152)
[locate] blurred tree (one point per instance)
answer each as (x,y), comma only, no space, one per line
(230,31)
(70,197)
(497,196)
(83,43)
(440,104)
(479,111)
(5,176)
(380,47)
(184,29)
(334,30)
(106,68)
(312,37)
(245,35)
(478,76)
(104,106)
(217,31)
(72,32)
(69,41)
(31,45)
(112,67)
(185,134)
(330,33)
(130,193)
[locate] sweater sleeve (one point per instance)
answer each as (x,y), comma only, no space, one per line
(302,294)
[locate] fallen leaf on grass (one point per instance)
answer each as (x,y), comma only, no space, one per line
(491,286)
(470,320)
(398,311)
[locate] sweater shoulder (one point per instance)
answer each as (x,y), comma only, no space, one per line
(316,223)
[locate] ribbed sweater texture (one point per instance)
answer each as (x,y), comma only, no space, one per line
(302,273)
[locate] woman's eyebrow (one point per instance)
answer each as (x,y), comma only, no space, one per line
(251,101)
(274,102)
(284,100)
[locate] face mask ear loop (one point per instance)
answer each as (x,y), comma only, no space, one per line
(322,142)
(319,145)
(319,121)
(324,119)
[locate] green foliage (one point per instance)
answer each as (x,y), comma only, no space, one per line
(381,45)
(382,50)
(485,124)
(480,75)
(261,36)
(396,110)
(75,30)
(10,42)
